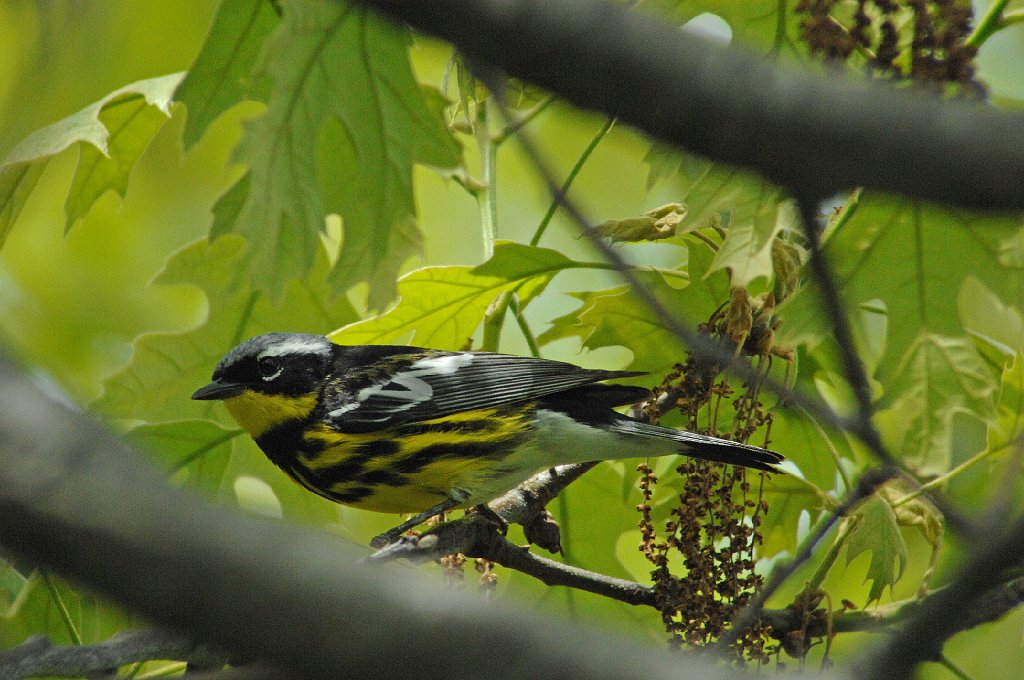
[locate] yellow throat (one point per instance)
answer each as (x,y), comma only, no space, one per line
(257,413)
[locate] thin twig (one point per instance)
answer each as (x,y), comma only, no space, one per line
(569,179)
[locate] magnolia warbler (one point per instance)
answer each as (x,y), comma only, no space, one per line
(413,430)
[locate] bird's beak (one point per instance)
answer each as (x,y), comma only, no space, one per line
(219,390)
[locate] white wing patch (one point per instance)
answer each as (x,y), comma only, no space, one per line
(443,365)
(407,389)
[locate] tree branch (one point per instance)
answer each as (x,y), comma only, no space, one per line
(38,656)
(475,536)
(819,133)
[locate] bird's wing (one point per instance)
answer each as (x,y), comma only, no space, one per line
(413,386)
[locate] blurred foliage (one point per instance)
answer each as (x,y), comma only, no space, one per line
(309,168)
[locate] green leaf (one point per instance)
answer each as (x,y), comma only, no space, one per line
(345,123)
(654,225)
(747,249)
(17,180)
(36,612)
(997,325)
(132,122)
(167,368)
(752,211)
(196,451)
(569,325)
(617,317)
(228,207)
(441,307)
(766,24)
(112,134)
(877,532)
(1009,425)
(915,259)
(220,76)
(297,503)
(940,377)
(533,265)
(663,161)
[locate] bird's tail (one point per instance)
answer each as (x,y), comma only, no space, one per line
(700,445)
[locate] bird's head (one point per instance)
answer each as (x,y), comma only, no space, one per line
(271,379)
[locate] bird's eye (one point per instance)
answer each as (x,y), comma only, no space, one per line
(269,368)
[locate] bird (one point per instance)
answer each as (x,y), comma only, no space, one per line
(403,429)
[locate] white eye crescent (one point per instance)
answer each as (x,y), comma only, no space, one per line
(269,368)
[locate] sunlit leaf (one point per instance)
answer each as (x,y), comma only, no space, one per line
(132,122)
(751,211)
(1010,408)
(762,24)
(940,377)
(569,325)
(441,307)
(747,248)
(17,180)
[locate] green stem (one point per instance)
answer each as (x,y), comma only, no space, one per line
(494,319)
(488,198)
(942,479)
(1014,17)
(564,189)
(65,615)
(989,24)
(832,555)
(524,326)
(708,241)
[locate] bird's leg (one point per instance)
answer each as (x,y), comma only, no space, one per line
(392,535)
